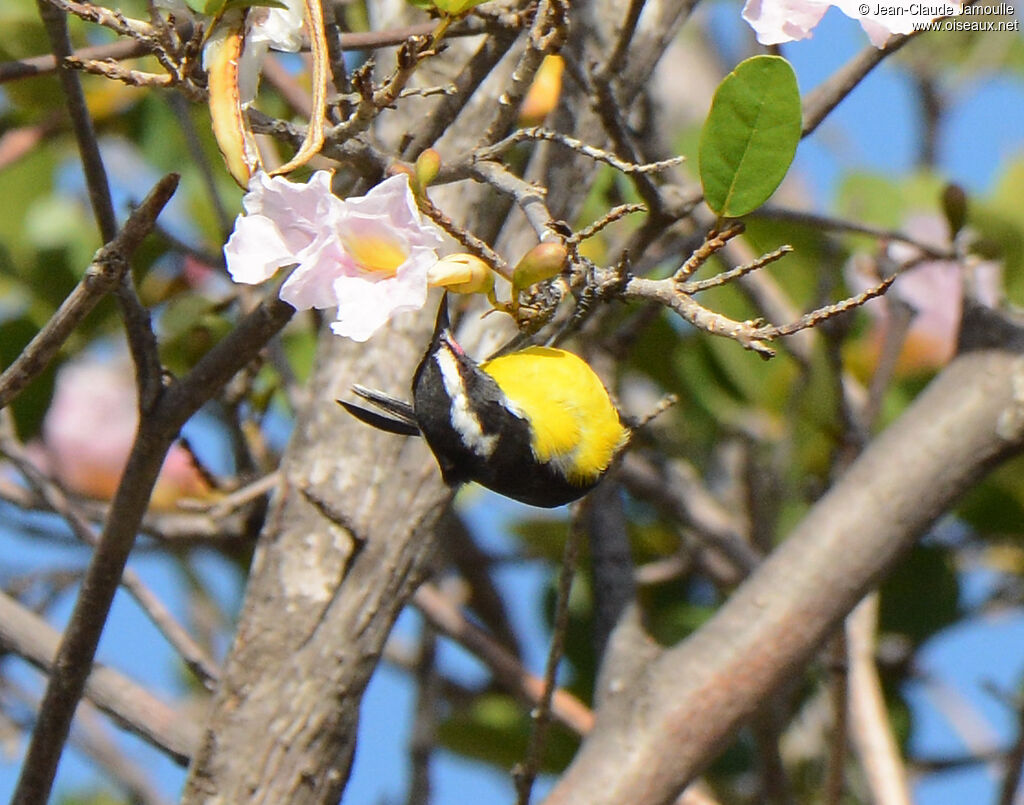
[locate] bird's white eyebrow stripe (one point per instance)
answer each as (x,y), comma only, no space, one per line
(465,422)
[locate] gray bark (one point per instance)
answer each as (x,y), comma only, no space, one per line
(318,608)
(657,728)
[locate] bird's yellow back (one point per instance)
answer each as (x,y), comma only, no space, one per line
(575,426)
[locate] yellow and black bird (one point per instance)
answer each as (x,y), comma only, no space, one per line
(535,425)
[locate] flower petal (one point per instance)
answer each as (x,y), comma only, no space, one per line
(366,304)
(279,28)
(393,200)
(311,285)
(777,21)
(368,256)
(285,223)
(256,249)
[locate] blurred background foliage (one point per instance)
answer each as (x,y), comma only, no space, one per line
(763,437)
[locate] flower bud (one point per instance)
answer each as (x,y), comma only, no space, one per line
(427,166)
(543,261)
(461,273)
(542,96)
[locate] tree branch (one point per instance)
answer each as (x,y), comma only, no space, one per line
(130,705)
(695,696)
(156,433)
(101,277)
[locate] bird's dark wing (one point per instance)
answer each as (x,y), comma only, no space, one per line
(398,416)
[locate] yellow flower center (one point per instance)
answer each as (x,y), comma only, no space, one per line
(375,254)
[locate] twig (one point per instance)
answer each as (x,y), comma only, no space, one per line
(823,99)
(133,48)
(897,326)
(58,501)
(835,768)
(466,82)
(598,154)
(114,20)
(191,653)
(827,222)
(91,737)
(770,299)
(1013,765)
(129,704)
(610,217)
(472,243)
(545,36)
(288,85)
(56,26)
(971,726)
(372,101)
(507,670)
(826,97)
(747,333)
(623,38)
(713,243)
(424,728)
(157,432)
(736,273)
(245,495)
(612,575)
(528,197)
(526,772)
(138,329)
(680,493)
(102,276)
(816,317)
(207,175)
(43,65)
(871,731)
(108,68)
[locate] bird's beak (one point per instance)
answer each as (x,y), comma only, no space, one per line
(443,330)
(442,323)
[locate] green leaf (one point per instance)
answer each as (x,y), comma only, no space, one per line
(494,728)
(30,406)
(208,7)
(454,7)
(451,8)
(254,4)
(749,139)
(905,609)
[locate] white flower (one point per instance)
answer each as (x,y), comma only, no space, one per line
(777,21)
(276,28)
(368,255)
(264,28)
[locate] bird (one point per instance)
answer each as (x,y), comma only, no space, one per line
(536,425)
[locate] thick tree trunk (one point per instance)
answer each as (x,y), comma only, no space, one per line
(325,587)
(327,583)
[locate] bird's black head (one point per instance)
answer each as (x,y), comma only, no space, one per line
(448,389)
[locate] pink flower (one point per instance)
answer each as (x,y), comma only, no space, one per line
(89,430)
(368,256)
(777,21)
(934,290)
